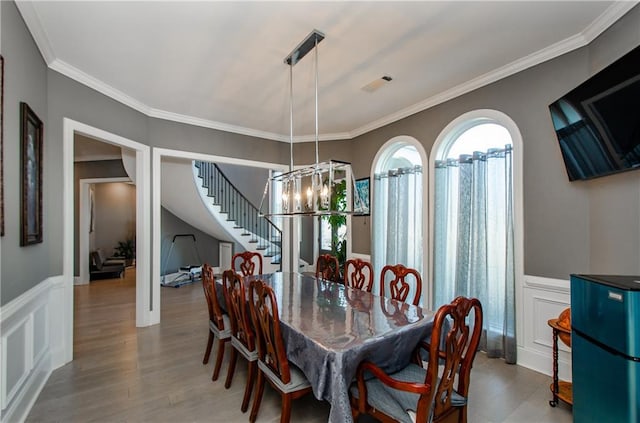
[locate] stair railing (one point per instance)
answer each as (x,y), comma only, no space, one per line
(239,209)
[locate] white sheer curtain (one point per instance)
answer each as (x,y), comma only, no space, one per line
(397,219)
(473,242)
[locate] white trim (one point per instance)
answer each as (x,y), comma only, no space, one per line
(31,313)
(574,42)
(156,177)
(39,34)
(84,221)
(600,24)
(402,140)
(560,286)
(542,299)
(610,16)
(85,79)
(206,123)
(143,224)
(542,362)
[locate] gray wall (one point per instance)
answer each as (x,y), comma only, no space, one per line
(183,252)
(115,215)
(567,226)
(25,79)
(250,181)
(85,170)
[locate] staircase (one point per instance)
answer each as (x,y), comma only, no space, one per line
(258,231)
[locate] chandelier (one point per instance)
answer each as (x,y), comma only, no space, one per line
(324,188)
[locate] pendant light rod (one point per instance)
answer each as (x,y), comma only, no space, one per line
(316,57)
(309,43)
(291,117)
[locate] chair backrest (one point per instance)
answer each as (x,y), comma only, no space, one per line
(266,321)
(234,294)
(327,267)
(208,284)
(248,263)
(399,284)
(454,341)
(358,274)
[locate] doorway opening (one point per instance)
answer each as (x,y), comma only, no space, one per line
(140,154)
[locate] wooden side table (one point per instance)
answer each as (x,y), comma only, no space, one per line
(560,389)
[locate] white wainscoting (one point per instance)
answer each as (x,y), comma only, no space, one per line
(543,299)
(26,347)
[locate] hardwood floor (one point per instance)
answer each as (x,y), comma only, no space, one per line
(123,374)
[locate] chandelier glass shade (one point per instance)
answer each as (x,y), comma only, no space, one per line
(324,188)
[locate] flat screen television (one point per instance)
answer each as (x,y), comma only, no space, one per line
(598,122)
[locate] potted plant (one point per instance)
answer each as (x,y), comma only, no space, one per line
(338,243)
(127,250)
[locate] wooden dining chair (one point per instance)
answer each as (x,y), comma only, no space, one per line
(358,274)
(400,283)
(247,263)
(273,365)
(219,325)
(439,392)
(327,268)
(242,336)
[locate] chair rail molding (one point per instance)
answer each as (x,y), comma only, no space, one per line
(542,299)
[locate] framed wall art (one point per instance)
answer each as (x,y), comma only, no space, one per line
(31,132)
(362,189)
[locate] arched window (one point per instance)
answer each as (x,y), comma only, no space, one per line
(473,222)
(397,235)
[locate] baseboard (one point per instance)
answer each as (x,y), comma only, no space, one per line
(542,363)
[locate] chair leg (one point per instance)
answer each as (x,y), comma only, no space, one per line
(207,353)
(258,397)
(286,408)
(232,367)
(253,366)
(219,356)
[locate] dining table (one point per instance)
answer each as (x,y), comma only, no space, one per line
(329,329)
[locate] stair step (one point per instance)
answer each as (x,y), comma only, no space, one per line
(245,234)
(251,241)
(237,227)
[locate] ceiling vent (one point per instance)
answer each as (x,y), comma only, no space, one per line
(377,83)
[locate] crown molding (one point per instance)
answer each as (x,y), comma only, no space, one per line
(322,137)
(206,123)
(85,79)
(608,18)
(599,25)
(604,21)
(32,19)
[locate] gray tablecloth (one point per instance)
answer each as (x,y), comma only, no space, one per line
(329,329)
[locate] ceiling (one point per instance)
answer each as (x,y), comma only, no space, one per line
(221,64)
